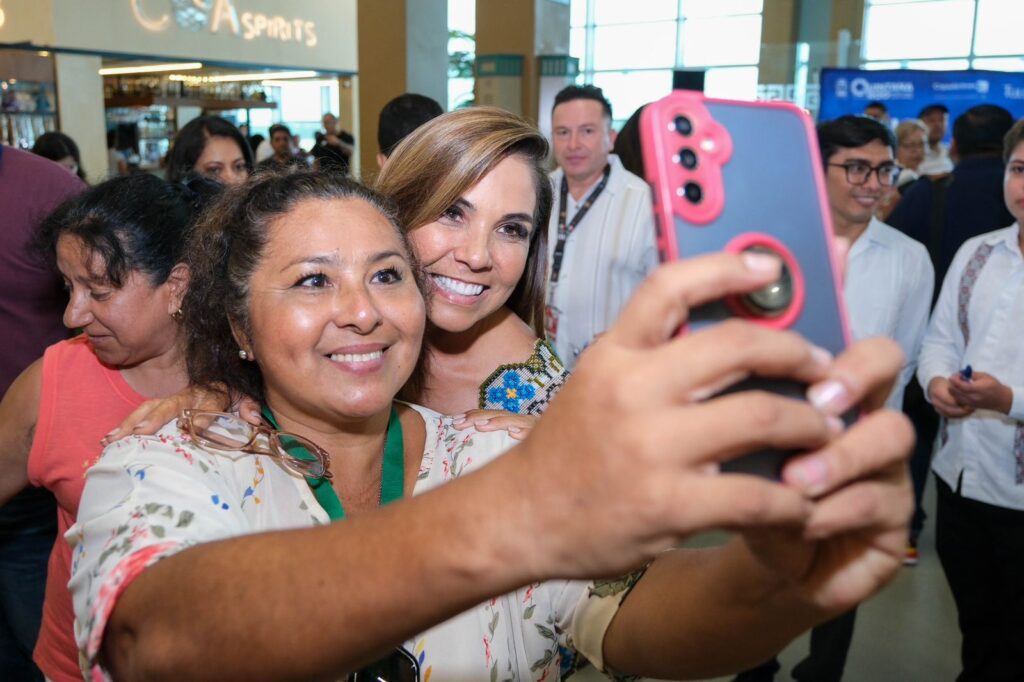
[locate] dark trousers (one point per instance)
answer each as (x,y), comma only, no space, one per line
(981,548)
(23,560)
(830,643)
(926,425)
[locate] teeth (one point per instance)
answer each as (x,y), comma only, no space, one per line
(357,357)
(463,288)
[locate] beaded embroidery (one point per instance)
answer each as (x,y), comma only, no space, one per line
(525,387)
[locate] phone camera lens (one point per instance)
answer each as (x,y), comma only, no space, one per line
(688,159)
(692,192)
(683,125)
(774,299)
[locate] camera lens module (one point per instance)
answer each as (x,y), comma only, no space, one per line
(687,158)
(683,125)
(693,192)
(773,300)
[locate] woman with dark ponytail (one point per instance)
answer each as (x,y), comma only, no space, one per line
(119,247)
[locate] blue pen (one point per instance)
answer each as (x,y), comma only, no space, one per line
(966,373)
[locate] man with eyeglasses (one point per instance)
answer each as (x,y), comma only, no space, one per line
(888,290)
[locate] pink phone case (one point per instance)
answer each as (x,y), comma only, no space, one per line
(728,175)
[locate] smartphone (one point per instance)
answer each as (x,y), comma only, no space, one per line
(738,176)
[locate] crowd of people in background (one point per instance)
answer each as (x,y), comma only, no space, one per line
(258,299)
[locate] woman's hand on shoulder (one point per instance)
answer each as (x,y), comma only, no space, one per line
(518,426)
(150,416)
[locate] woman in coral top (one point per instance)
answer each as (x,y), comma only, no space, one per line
(119,249)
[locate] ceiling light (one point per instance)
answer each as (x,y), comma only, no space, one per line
(278,75)
(150,68)
(314,81)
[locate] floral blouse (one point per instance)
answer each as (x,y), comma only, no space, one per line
(525,387)
(149,497)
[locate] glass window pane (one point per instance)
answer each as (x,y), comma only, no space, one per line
(635,46)
(941,28)
(462,15)
(629,90)
(939,65)
(720,8)
(998,28)
(578,44)
(721,41)
(881,66)
(577,12)
(619,12)
(1000,64)
(731,83)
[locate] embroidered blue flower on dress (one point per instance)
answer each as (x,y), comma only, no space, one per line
(511,392)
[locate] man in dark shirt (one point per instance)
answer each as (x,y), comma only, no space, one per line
(971,196)
(284,157)
(334,147)
(32,301)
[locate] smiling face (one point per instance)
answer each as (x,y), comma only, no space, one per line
(335,315)
(126,325)
(475,253)
(853,205)
(223,161)
(1013,184)
(582,138)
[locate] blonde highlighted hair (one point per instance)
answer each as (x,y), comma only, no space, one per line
(444,158)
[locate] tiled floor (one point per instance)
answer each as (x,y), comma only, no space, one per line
(907,633)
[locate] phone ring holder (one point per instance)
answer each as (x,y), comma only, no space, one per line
(779,304)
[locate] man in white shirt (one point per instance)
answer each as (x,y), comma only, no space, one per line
(936,152)
(601,235)
(972,364)
(888,291)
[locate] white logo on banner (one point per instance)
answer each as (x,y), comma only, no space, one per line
(865,89)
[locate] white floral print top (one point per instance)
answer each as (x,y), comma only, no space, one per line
(150,497)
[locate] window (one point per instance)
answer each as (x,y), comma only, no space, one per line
(630,49)
(942,34)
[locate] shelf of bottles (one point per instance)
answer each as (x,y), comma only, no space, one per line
(27,110)
(177,90)
(144,134)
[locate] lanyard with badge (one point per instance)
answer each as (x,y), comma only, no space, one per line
(551,314)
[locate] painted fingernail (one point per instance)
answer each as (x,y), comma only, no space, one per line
(835,425)
(481,422)
(828,396)
(811,474)
(459,418)
(514,429)
(821,356)
(761,262)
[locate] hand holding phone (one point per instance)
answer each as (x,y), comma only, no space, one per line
(747,176)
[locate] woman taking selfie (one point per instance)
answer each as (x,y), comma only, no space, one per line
(304,296)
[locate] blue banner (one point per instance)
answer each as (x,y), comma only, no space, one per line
(905,92)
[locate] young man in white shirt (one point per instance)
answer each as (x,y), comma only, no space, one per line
(888,291)
(972,365)
(601,235)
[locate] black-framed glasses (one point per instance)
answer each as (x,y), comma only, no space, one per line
(858,172)
(398,666)
(229,433)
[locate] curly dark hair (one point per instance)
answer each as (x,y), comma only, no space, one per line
(224,252)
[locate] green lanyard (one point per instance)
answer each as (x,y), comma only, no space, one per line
(392,469)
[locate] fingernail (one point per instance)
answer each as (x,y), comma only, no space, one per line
(481,422)
(761,262)
(828,396)
(821,356)
(835,425)
(514,429)
(459,418)
(811,474)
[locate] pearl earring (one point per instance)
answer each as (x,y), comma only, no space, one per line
(242,354)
